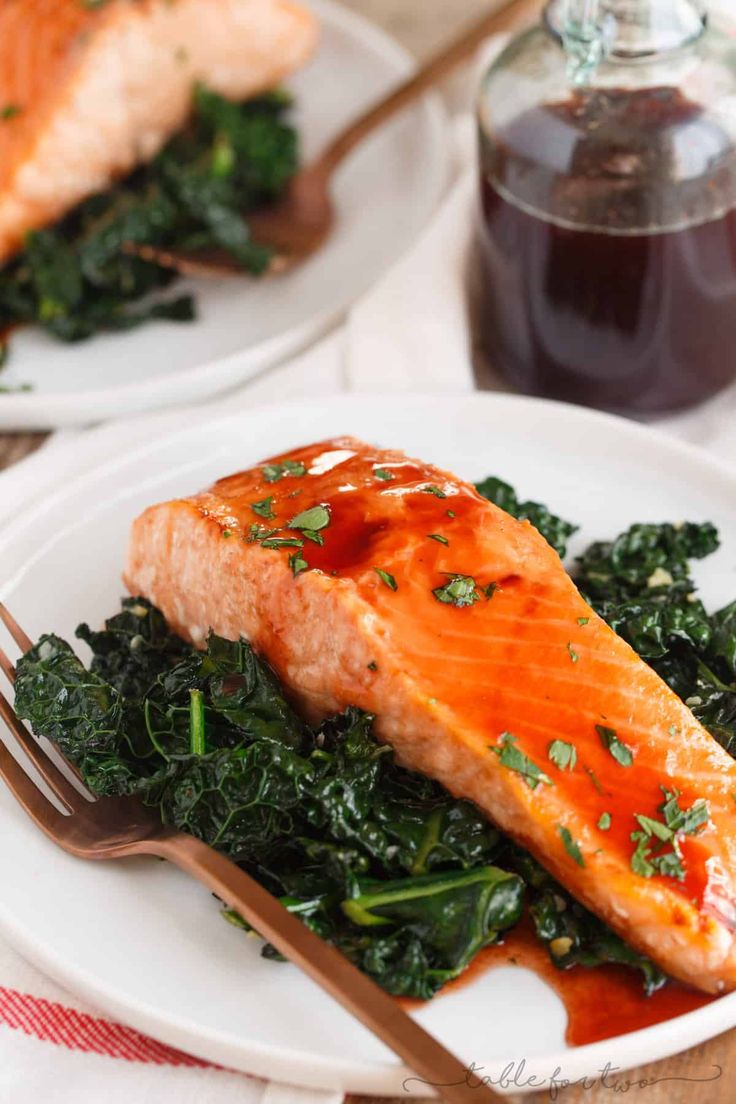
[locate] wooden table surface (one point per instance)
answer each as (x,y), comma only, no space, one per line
(703,1074)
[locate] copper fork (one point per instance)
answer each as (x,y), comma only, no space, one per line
(116,827)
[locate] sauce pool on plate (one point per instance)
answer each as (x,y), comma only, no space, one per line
(601,1002)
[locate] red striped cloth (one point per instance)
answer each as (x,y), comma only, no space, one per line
(145,1068)
(56,1023)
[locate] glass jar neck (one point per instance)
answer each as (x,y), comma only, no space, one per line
(593,30)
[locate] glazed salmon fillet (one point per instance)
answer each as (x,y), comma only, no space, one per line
(89,90)
(373,580)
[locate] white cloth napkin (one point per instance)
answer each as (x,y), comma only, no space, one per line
(410,333)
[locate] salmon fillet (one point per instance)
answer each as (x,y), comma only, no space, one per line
(475,651)
(87,91)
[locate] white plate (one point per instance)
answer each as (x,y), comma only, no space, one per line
(384,193)
(146,944)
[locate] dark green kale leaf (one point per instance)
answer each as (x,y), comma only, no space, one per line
(645,562)
(322,817)
(239,800)
(250,142)
(402,820)
(723,639)
(81,277)
(712,700)
(656,627)
(210,203)
(55,274)
(84,716)
(242,689)
(240,701)
(129,216)
(320,870)
(399,962)
(134,648)
(452,914)
(641,585)
(47,284)
(574,936)
(554,529)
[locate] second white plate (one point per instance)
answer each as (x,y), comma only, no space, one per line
(384,195)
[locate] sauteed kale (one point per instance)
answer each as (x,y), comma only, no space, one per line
(408,881)
(384,862)
(76,279)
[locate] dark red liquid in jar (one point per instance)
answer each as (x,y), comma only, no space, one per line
(638,321)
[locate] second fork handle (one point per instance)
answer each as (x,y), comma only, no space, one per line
(380,1013)
(504,17)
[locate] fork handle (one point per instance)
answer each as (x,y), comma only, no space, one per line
(504,17)
(380,1013)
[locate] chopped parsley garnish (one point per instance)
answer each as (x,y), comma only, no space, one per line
(264,508)
(512,757)
(648,857)
(372,666)
(583,620)
(604,821)
(451,513)
(490,590)
(258,533)
(386,578)
(311,521)
(640,863)
(9,111)
(462,590)
(282,542)
(297,563)
(433,490)
(438,537)
(571,845)
(572,653)
(654,827)
(273,472)
(686,821)
(563,755)
(594,779)
(381,473)
(227,532)
(620,751)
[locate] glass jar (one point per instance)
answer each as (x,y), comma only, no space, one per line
(607,231)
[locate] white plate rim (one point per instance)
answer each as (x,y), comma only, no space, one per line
(37,409)
(636,1048)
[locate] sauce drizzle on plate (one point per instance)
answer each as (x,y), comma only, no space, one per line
(601,1002)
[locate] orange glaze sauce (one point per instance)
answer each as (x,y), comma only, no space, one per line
(601,1002)
(534,657)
